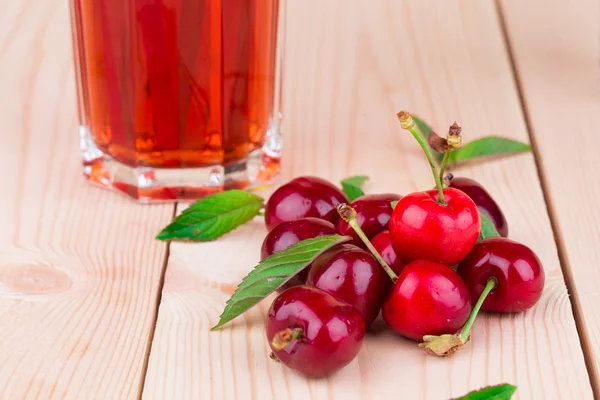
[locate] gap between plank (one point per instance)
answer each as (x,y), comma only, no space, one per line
(161,284)
(558,238)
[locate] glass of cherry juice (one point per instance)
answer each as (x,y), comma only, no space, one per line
(178,98)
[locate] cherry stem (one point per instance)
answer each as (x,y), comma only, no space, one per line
(348,214)
(408,123)
(490,285)
(453,141)
(285,337)
(444,163)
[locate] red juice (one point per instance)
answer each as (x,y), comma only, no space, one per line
(176,83)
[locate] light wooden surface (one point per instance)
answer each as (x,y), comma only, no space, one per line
(560,81)
(80,276)
(79,271)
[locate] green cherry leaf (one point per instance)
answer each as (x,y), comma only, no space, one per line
(272,272)
(486,147)
(488,229)
(352,186)
(393,204)
(213,216)
(498,392)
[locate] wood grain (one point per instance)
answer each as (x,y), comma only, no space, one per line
(79,269)
(557,60)
(349,68)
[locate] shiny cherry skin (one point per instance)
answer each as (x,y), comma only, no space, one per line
(373,214)
(428,299)
(383,244)
(289,233)
(485,203)
(351,275)
(518,272)
(305,196)
(331,332)
(423,229)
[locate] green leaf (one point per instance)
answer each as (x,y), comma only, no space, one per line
(352,186)
(487,146)
(274,271)
(488,229)
(483,147)
(424,128)
(213,216)
(498,392)
(394,203)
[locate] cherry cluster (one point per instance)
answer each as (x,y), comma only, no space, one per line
(418,259)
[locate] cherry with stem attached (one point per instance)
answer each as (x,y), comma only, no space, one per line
(437,302)
(440,225)
(515,267)
(348,214)
(504,276)
(447,344)
(428,299)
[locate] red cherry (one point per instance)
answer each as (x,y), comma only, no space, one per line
(517,270)
(351,275)
(289,233)
(373,213)
(306,196)
(485,203)
(427,299)
(312,332)
(383,244)
(423,229)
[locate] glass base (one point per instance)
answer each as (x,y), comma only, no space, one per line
(148,184)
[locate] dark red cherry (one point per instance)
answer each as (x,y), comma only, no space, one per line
(302,197)
(517,270)
(312,332)
(373,213)
(289,233)
(383,244)
(485,203)
(423,229)
(351,275)
(428,299)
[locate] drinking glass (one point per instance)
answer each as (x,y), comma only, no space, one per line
(178,98)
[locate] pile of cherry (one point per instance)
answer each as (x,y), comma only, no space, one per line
(418,261)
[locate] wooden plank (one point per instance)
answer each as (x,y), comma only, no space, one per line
(556,52)
(348,70)
(79,269)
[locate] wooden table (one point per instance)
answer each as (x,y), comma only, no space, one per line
(92,307)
